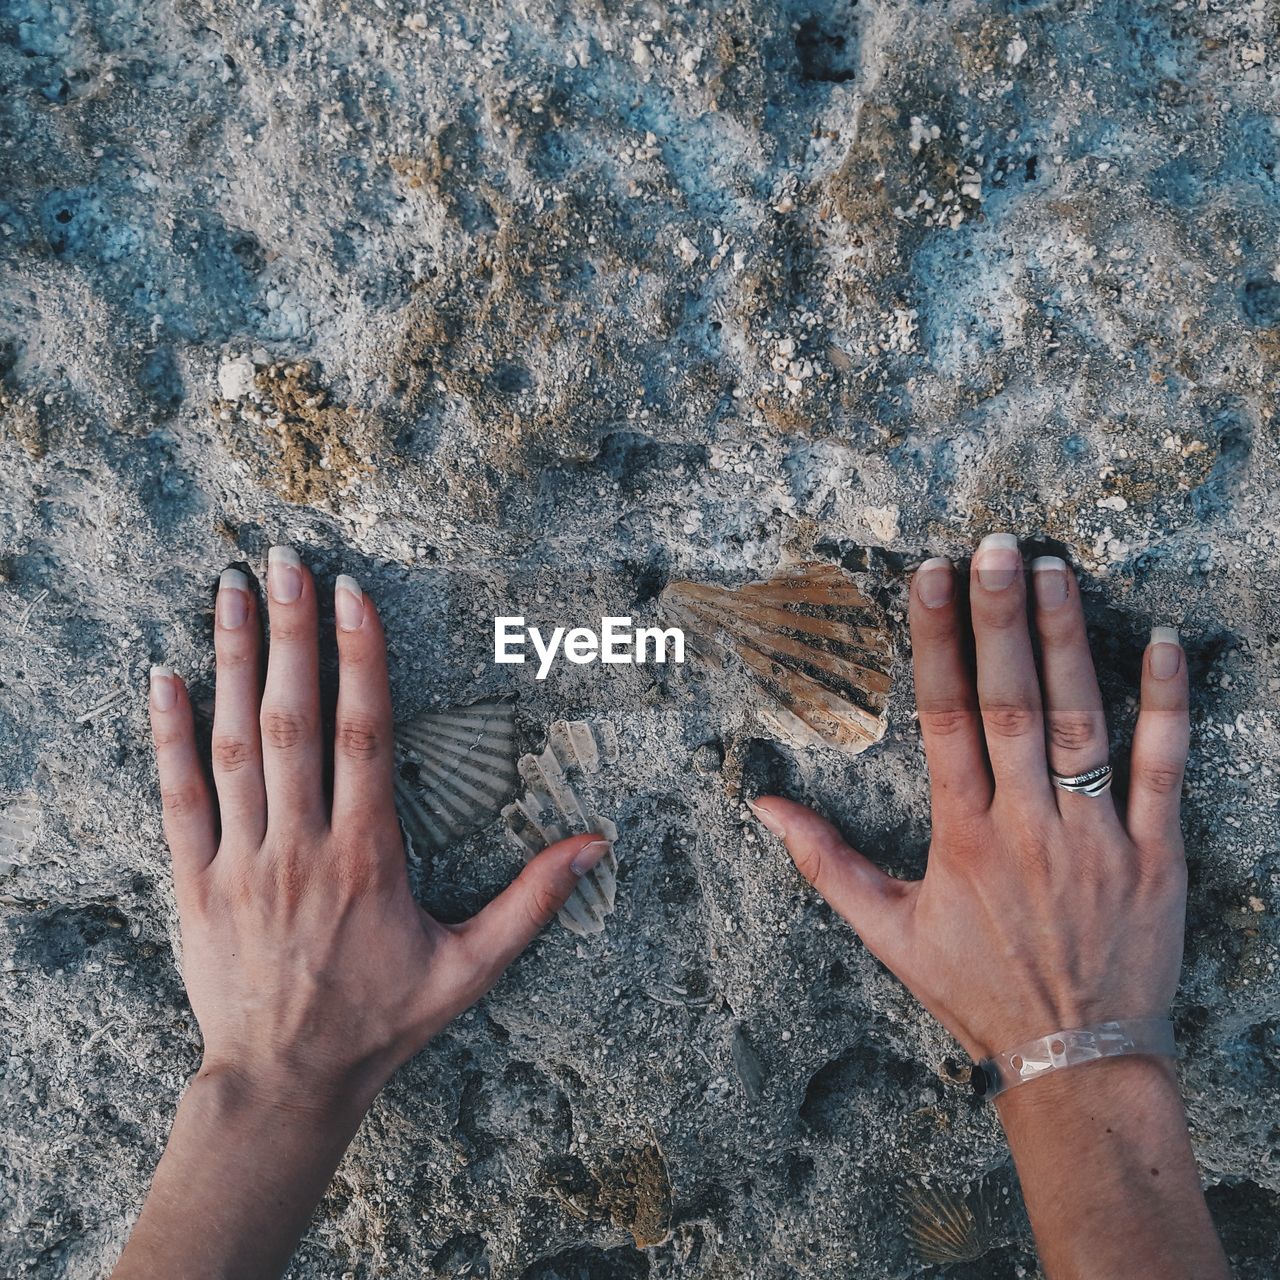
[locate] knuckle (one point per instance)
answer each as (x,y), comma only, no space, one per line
(284,730)
(1164,873)
(1024,836)
(1009,718)
(1005,611)
(1164,778)
(1073,730)
(181,798)
(937,627)
(544,903)
(234,650)
(230,755)
(168,735)
(1125,876)
(292,630)
(359,737)
(946,717)
(352,652)
(1094,865)
(242,888)
(357,873)
(808,862)
(1061,629)
(290,874)
(234,661)
(968,831)
(1034,857)
(199,895)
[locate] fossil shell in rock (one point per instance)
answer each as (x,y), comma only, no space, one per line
(560,802)
(635,1190)
(945,1225)
(19,828)
(815,648)
(747,1062)
(454,770)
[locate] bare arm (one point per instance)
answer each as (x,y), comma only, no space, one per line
(312,971)
(1043,910)
(1107,1173)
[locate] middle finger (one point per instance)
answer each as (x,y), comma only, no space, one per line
(1008,687)
(291,750)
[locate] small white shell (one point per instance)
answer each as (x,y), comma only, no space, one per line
(19,829)
(559,803)
(454,770)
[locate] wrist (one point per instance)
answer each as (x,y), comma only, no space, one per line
(235,1092)
(1114,1086)
(1107,1171)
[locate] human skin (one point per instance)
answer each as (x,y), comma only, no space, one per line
(1042,910)
(311,970)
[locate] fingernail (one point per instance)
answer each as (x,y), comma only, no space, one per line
(588,856)
(163,692)
(935,583)
(348,603)
(768,819)
(1049,577)
(1166,652)
(284,574)
(997,561)
(233,599)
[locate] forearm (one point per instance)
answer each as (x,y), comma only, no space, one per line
(237,1184)
(1108,1175)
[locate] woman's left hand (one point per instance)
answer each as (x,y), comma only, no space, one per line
(308,962)
(312,971)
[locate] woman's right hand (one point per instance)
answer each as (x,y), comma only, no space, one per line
(1040,909)
(1043,910)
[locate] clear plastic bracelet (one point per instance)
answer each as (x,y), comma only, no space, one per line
(1030,1061)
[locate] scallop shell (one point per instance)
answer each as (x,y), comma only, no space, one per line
(747,1063)
(454,770)
(19,828)
(946,1225)
(815,649)
(559,803)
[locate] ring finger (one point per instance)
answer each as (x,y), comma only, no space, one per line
(1075,724)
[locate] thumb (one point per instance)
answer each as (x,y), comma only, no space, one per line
(871,901)
(501,931)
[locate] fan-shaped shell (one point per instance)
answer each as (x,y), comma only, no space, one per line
(815,648)
(947,1225)
(19,827)
(454,770)
(560,802)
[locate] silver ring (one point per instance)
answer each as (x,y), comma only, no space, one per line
(1093,782)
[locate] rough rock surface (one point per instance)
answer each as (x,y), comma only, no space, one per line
(503,305)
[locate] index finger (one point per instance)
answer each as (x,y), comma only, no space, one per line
(946,697)
(184,792)
(363,796)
